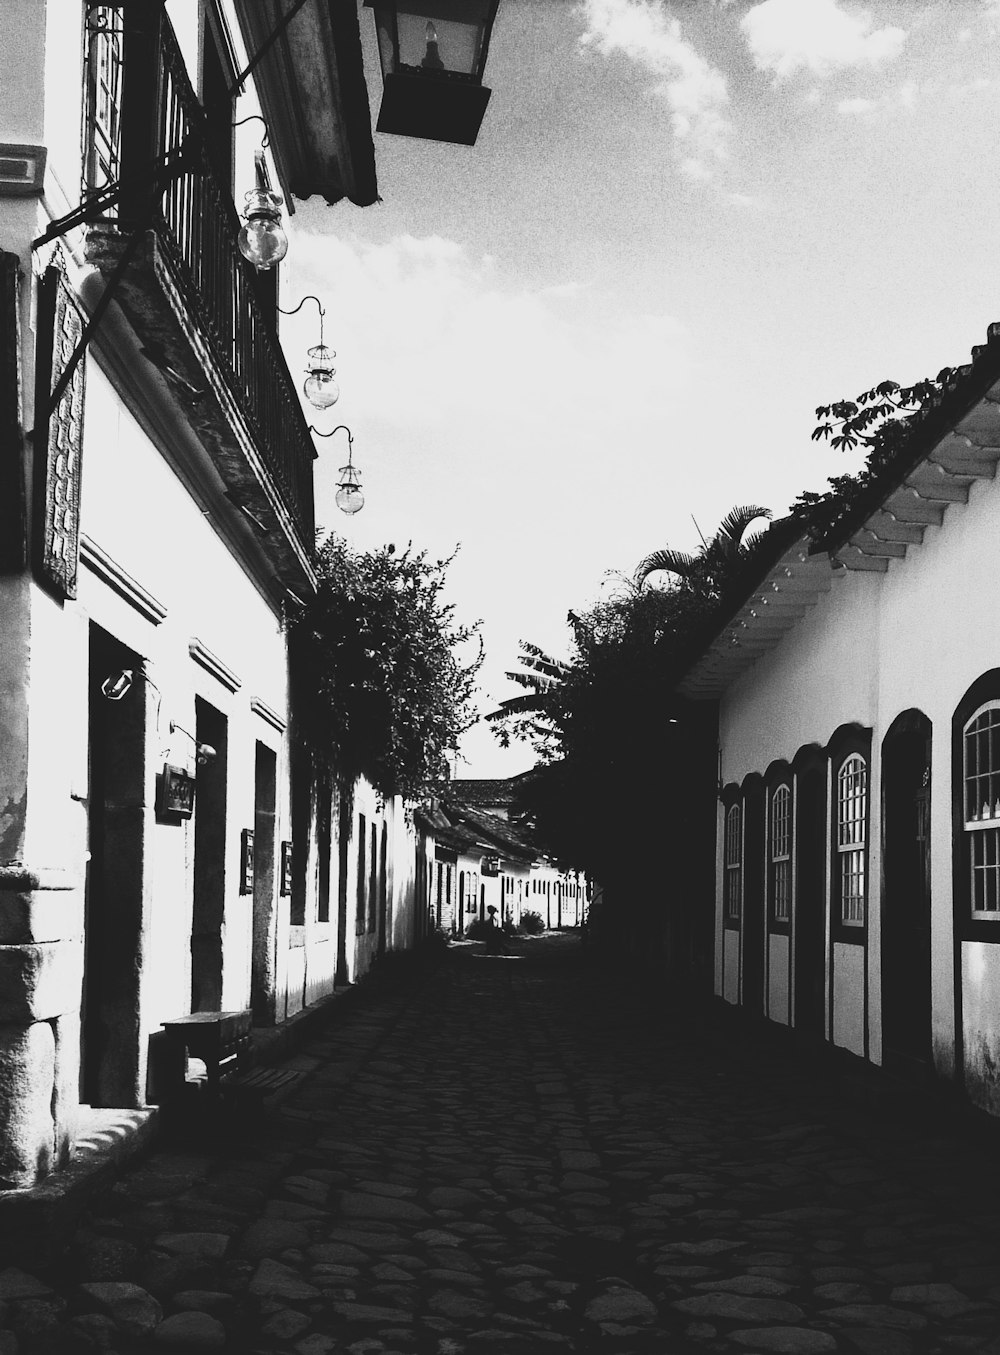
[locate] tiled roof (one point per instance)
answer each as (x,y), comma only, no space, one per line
(488,791)
(953,442)
(493,832)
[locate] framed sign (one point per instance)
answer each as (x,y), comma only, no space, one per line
(286,868)
(246,861)
(58,437)
(491,865)
(176,797)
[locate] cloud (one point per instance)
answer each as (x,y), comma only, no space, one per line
(694,90)
(904,97)
(815,36)
(427,336)
(695,169)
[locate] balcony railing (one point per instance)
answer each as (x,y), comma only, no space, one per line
(143,112)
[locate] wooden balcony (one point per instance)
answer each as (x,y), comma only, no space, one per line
(189,295)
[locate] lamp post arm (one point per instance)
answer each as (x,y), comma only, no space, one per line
(237,86)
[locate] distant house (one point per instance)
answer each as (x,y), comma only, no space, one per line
(483,860)
(857,678)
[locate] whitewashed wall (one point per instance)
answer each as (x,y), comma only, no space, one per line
(874,646)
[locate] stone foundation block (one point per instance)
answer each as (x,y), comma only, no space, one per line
(39,905)
(38,982)
(27,1074)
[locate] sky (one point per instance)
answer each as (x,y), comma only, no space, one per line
(684,225)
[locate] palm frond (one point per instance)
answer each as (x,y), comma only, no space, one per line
(677,562)
(734,525)
(515,705)
(535,682)
(531,651)
(750,543)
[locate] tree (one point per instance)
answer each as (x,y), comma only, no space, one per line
(880,420)
(626,781)
(710,568)
(379,690)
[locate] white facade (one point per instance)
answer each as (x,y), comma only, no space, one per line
(880,649)
(165,847)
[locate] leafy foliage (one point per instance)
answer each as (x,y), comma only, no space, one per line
(881,421)
(379,688)
(710,568)
(625,788)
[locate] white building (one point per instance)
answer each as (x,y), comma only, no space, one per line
(164,846)
(858,682)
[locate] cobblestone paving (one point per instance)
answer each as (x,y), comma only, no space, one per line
(513,1155)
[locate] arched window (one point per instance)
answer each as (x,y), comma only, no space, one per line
(780,853)
(733,886)
(851,840)
(981,810)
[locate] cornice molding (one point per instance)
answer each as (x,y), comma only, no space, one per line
(268,715)
(213,664)
(99,562)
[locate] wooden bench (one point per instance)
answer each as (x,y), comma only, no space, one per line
(223,1041)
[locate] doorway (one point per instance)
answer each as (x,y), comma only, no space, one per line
(906,894)
(753,899)
(113,901)
(810,899)
(208,914)
(264,936)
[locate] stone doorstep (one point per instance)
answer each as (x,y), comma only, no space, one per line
(36,1222)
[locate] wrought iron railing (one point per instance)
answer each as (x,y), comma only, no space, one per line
(198,226)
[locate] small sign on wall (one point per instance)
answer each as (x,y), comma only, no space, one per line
(176,793)
(286,868)
(491,865)
(246,861)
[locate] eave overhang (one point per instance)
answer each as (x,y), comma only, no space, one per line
(954,442)
(313,93)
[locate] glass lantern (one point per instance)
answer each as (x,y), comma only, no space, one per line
(262,240)
(320,388)
(349,498)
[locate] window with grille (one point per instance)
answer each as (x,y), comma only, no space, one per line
(981,789)
(852,820)
(733,864)
(105,39)
(781,854)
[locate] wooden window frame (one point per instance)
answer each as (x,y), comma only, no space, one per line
(849,743)
(732,861)
(980,829)
(780,855)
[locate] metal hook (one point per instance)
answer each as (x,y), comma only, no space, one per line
(322,314)
(256,117)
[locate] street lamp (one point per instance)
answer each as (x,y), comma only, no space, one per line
(262,241)
(433,54)
(319,388)
(348,498)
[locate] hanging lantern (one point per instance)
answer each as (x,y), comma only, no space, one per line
(433,55)
(262,240)
(349,498)
(320,389)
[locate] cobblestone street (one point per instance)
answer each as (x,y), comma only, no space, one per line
(512,1154)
